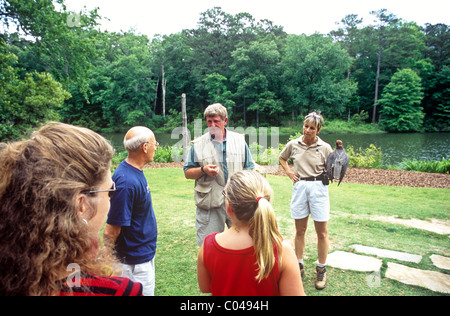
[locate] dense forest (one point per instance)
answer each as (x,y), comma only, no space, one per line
(58,65)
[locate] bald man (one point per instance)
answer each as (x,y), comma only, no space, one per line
(131,225)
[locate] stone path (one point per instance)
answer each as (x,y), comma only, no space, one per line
(435,281)
(441,227)
(350,261)
(441,262)
(383,253)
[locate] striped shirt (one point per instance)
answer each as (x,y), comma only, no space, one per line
(87,284)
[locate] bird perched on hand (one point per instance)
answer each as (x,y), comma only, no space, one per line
(337,163)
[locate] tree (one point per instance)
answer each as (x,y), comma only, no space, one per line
(349,36)
(256,71)
(24,104)
(315,74)
(437,41)
(60,46)
(400,102)
(436,80)
(129,93)
(215,84)
(384,20)
(441,98)
(177,58)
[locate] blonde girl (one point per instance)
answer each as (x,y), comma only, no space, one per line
(250,258)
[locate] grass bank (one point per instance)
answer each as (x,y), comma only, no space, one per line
(352,206)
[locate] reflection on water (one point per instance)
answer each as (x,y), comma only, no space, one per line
(395,147)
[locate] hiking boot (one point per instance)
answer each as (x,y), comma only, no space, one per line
(321,279)
(302,269)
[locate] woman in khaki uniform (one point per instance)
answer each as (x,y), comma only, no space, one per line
(310,192)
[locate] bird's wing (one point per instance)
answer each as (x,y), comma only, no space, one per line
(330,162)
(344,161)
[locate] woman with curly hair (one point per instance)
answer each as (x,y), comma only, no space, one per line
(54,199)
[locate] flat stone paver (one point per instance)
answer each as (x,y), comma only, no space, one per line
(384,253)
(441,262)
(441,227)
(435,281)
(350,261)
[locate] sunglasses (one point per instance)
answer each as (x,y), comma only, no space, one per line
(110,191)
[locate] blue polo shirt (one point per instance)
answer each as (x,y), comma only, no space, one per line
(132,209)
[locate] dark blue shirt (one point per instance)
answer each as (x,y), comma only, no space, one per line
(132,209)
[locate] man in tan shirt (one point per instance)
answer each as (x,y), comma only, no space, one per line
(310,192)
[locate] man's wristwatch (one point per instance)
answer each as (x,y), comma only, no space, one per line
(203,171)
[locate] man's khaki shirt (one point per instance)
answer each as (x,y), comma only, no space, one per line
(309,161)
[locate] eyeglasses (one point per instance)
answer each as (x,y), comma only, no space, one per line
(110,191)
(155,143)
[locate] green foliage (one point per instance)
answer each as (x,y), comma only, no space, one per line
(261,74)
(430,166)
(164,154)
(61,43)
(355,126)
(268,156)
(256,73)
(25,104)
(400,102)
(313,74)
(371,157)
(440,114)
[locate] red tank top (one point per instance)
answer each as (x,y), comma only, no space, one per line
(233,272)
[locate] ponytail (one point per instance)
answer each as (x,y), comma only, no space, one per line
(266,238)
(249,195)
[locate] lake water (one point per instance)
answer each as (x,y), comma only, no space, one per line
(395,147)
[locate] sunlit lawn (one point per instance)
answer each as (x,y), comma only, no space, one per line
(352,206)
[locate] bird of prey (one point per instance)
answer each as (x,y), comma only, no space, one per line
(337,163)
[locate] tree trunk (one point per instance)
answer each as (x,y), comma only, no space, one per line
(185,130)
(245,113)
(163,85)
(374,115)
(156,96)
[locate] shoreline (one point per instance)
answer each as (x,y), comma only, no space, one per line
(361,176)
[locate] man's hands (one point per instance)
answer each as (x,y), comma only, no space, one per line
(195,173)
(211,170)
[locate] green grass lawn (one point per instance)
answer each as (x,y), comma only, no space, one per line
(352,206)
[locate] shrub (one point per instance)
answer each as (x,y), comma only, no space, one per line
(426,165)
(371,157)
(163,154)
(268,157)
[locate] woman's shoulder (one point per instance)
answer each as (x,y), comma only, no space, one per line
(87,284)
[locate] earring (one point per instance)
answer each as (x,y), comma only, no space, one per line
(84,220)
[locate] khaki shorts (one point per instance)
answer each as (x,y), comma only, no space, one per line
(310,197)
(210,221)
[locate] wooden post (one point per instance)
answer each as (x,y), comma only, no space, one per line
(163,85)
(185,130)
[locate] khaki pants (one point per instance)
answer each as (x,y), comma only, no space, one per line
(210,221)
